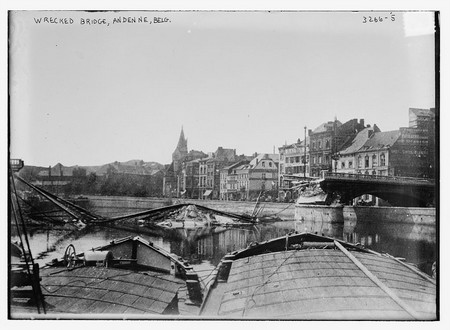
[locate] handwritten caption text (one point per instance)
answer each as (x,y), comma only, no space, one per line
(102,21)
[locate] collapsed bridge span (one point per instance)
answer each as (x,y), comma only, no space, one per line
(86,217)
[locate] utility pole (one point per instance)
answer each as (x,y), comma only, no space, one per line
(304,156)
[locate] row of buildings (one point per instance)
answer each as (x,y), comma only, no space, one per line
(350,147)
(218,175)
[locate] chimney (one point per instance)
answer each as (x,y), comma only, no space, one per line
(309,132)
(361,122)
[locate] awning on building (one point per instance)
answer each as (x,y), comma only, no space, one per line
(207,193)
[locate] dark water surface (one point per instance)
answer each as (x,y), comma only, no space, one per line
(204,247)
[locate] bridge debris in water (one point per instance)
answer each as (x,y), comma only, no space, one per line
(178,215)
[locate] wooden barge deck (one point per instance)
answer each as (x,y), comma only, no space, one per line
(128,278)
(88,291)
(327,280)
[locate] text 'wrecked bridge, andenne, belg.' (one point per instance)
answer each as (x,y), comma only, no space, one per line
(398,191)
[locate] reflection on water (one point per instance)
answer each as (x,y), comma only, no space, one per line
(204,247)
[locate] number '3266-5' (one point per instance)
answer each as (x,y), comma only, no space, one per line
(376,19)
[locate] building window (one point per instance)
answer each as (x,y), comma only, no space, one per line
(366,161)
(382,160)
(270,164)
(314,145)
(320,159)
(327,144)
(320,144)
(374,161)
(350,164)
(342,164)
(314,160)
(263,175)
(263,164)
(360,162)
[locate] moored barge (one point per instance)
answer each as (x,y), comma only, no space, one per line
(128,278)
(306,276)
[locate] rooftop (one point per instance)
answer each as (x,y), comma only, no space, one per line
(359,141)
(381,140)
(326,126)
(423,112)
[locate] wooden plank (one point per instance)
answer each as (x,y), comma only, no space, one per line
(82,306)
(388,291)
(116,309)
(158,307)
(145,304)
(92,296)
(59,295)
(154,293)
(166,297)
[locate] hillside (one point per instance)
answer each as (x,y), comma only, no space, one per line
(130,167)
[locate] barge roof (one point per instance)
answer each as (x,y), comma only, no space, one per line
(318,284)
(91,291)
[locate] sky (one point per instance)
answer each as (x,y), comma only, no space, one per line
(85,94)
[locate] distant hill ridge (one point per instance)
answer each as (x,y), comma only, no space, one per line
(135,166)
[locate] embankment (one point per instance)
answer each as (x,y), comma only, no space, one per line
(336,214)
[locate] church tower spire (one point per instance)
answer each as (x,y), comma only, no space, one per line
(182,142)
(180,152)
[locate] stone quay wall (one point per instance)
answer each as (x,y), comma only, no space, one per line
(120,205)
(336,214)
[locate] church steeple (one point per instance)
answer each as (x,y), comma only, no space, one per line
(180,152)
(182,142)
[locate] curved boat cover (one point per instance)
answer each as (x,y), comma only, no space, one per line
(321,284)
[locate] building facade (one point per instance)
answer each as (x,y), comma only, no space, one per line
(294,163)
(408,151)
(327,140)
(260,176)
(348,160)
(414,154)
(229,181)
(191,181)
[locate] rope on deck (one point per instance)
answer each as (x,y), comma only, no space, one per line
(380,284)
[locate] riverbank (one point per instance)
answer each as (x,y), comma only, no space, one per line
(120,205)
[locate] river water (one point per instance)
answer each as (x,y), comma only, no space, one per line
(204,247)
